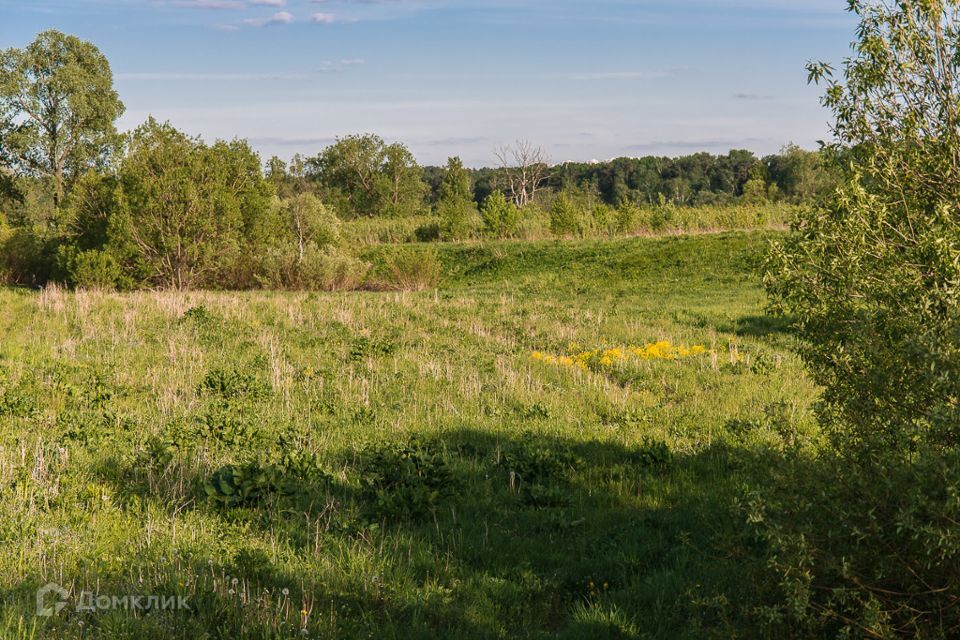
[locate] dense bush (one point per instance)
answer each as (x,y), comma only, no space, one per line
(873,279)
(566,218)
(190,212)
(231,384)
(406,269)
(362,176)
(91,269)
(24,256)
(501,219)
(294,474)
(863,550)
(456,209)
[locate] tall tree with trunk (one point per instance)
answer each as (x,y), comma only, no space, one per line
(309,223)
(57,108)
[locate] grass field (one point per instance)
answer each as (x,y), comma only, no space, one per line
(502,457)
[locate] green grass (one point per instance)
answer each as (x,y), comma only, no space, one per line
(533,500)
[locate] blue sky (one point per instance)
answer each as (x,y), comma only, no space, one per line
(587,79)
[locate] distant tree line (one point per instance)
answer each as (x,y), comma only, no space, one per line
(82,204)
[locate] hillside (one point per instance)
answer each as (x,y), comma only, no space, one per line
(553,441)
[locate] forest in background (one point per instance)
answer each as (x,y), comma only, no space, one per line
(84,205)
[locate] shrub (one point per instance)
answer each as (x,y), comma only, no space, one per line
(198,316)
(295,474)
(538,463)
(603,218)
(331,269)
(864,549)
(872,277)
(458,219)
(408,269)
(500,217)
(429,232)
(565,217)
(627,217)
(91,269)
(540,473)
(456,208)
(653,454)
(23,257)
(364,347)
(309,222)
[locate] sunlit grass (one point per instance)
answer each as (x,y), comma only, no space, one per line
(582,500)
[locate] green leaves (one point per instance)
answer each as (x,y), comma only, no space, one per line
(362,176)
(295,474)
(871,277)
(818,71)
(500,217)
(57,107)
(869,274)
(190,212)
(405,481)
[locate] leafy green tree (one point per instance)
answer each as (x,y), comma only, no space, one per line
(755,191)
(501,218)
(362,176)
(57,108)
(277,176)
(8,186)
(799,175)
(456,208)
(288,180)
(403,181)
(565,216)
(349,173)
(627,217)
(190,213)
(872,277)
(309,223)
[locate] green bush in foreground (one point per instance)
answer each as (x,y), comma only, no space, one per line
(873,278)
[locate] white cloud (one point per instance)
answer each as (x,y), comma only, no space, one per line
(270,3)
(349,62)
(281,17)
(323,18)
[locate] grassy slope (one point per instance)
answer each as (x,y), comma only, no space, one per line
(106,442)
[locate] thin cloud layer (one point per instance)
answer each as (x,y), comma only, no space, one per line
(219,5)
(584,79)
(281,17)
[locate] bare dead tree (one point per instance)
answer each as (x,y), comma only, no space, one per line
(524,168)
